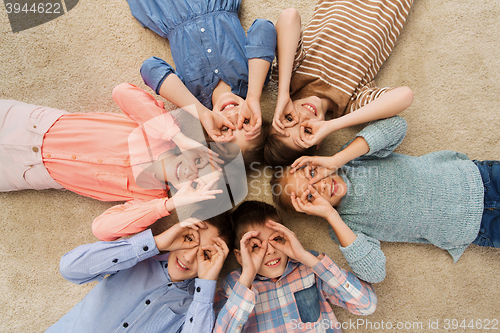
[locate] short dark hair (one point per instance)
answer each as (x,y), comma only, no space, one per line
(251,213)
(277,153)
(223,224)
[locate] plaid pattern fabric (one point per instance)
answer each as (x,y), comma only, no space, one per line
(270,305)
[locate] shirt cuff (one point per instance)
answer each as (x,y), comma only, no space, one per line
(154,71)
(243,297)
(204,290)
(144,245)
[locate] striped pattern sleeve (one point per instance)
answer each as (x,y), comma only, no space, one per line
(346,43)
(345,289)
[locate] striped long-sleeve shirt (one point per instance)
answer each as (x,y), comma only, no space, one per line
(296,302)
(343,48)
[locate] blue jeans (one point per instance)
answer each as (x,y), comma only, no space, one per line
(489,232)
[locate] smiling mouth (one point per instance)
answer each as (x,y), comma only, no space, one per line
(311,108)
(181,266)
(273,263)
(228,106)
(178,171)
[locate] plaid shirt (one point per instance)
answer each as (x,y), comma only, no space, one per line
(271,306)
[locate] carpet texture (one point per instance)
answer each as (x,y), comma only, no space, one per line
(448,54)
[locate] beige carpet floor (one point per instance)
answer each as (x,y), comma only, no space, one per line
(448,54)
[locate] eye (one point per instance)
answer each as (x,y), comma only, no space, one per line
(247,121)
(307,130)
(312,173)
(194,185)
(288,117)
(207,255)
(224,129)
(279,239)
(255,247)
(188,238)
(310,197)
(197,161)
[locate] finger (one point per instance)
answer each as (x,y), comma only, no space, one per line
(200,255)
(210,184)
(298,141)
(223,245)
(240,121)
(295,203)
(279,129)
(248,235)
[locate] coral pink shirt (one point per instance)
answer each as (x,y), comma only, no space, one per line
(101,155)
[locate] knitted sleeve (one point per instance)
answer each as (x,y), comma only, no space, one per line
(383,136)
(365,257)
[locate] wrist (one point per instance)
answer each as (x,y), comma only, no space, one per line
(309,259)
(169,204)
(246,279)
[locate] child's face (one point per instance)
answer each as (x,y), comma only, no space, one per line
(310,108)
(229,105)
(183,264)
(332,188)
(274,263)
(177,171)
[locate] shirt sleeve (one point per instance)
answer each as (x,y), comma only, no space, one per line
(366,259)
(92,262)
(200,317)
(128,219)
(154,71)
(344,288)
(383,136)
(261,40)
(239,303)
(364,96)
(146,111)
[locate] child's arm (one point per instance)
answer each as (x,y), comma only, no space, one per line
(93,262)
(288,28)
(344,289)
(135,216)
(388,105)
(234,303)
(251,110)
(260,48)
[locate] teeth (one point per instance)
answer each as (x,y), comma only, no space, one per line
(178,171)
(274,262)
(309,108)
(180,264)
(229,105)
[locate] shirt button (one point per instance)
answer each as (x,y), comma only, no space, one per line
(202,29)
(148,302)
(168,284)
(209,50)
(49,156)
(127,163)
(125,325)
(115,260)
(191,319)
(34,126)
(347,285)
(35,149)
(99,161)
(145,248)
(198,289)
(278,283)
(240,326)
(73,157)
(285,314)
(216,71)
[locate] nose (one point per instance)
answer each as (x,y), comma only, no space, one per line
(270,249)
(190,255)
(304,114)
(188,172)
(233,114)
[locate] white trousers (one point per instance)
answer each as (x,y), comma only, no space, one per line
(22,128)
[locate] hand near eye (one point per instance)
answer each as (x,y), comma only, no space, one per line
(183,235)
(196,154)
(187,194)
(312,133)
(218,127)
(284,115)
(312,203)
(315,167)
(250,118)
(252,255)
(285,240)
(211,259)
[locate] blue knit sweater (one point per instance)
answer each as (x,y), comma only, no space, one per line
(435,198)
